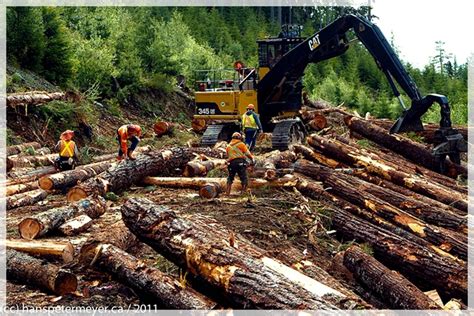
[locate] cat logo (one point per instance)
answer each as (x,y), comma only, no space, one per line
(314,42)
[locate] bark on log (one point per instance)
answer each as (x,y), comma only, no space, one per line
(338,184)
(113,156)
(29,176)
(72,177)
(318,123)
(116,234)
(122,176)
(203,246)
(27,198)
(21,188)
(389,285)
(163,128)
(76,225)
(62,250)
(196,168)
(275,160)
(42,223)
(419,184)
(31,161)
(17,149)
(32,271)
(34,98)
(198,125)
(419,264)
(167,291)
(428,133)
(314,156)
(411,150)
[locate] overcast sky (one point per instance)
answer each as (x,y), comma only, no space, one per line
(417,24)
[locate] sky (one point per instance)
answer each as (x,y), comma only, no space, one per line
(418,24)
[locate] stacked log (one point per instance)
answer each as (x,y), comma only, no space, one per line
(31,161)
(414,151)
(40,224)
(196,168)
(398,175)
(17,149)
(32,271)
(445,239)
(389,285)
(276,160)
(29,175)
(234,267)
(72,177)
(62,250)
(21,188)
(122,176)
(166,291)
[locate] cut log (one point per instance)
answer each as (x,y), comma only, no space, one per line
(163,128)
(419,184)
(166,291)
(122,176)
(113,156)
(69,178)
(339,185)
(196,168)
(428,133)
(202,246)
(62,250)
(31,161)
(318,123)
(16,149)
(314,156)
(34,98)
(421,265)
(276,159)
(22,187)
(389,285)
(211,187)
(198,125)
(76,225)
(37,272)
(27,198)
(42,223)
(414,151)
(29,175)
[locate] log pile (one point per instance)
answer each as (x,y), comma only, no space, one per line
(411,221)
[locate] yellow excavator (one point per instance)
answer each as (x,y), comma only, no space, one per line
(275,87)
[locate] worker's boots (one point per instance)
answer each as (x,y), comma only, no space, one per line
(130,155)
(227,191)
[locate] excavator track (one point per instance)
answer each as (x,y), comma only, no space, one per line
(218,132)
(288,132)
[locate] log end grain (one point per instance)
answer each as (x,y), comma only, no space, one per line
(161,128)
(318,123)
(76,194)
(29,228)
(65,282)
(198,125)
(209,191)
(45,183)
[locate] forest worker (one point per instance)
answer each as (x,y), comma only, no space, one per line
(251,126)
(125,133)
(68,153)
(237,158)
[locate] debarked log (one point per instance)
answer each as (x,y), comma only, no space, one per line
(26,198)
(166,290)
(231,265)
(38,272)
(389,285)
(21,188)
(54,249)
(42,223)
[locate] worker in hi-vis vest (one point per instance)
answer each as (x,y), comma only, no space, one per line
(68,153)
(238,159)
(251,126)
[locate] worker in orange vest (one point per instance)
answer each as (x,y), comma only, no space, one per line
(68,153)
(238,156)
(125,133)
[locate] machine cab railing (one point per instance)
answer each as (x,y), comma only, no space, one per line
(223,79)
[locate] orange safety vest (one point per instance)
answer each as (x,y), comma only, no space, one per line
(67,148)
(234,152)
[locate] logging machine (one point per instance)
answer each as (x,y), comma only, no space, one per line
(275,87)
